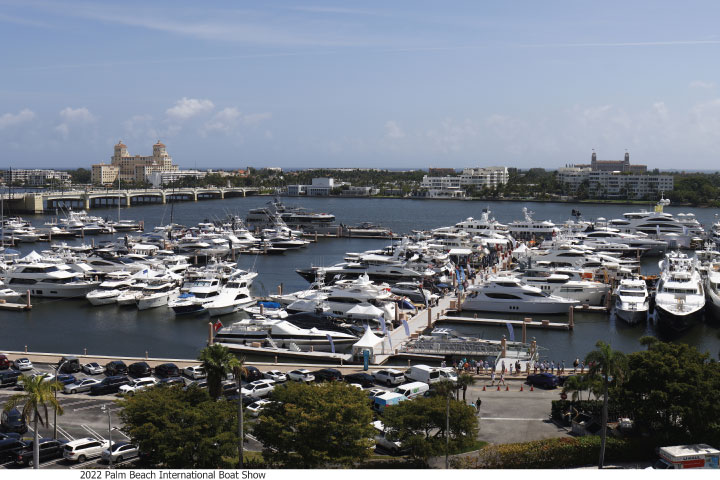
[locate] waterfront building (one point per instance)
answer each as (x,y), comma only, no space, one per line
(35,177)
(133,168)
(454,185)
(360,191)
(320,187)
(159,179)
(104,173)
(615,183)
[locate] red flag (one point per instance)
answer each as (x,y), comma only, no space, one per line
(217,325)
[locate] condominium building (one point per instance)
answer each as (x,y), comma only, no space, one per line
(489,177)
(159,179)
(35,177)
(134,168)
(320,187)
(615,184)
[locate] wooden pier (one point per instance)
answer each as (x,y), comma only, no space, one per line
(15,307)
(498,322)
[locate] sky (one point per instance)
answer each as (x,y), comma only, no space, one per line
(401,84)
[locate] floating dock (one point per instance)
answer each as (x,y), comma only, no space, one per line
(15,307)
(498,322)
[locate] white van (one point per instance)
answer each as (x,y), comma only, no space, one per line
(448,373)
(413,390)
(423,373)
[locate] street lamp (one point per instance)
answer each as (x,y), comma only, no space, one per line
(57,372)
(106,409)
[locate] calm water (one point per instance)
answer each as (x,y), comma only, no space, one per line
(69,326)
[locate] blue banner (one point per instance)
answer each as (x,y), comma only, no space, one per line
(512,332)
(407,327)
(366,359)
(332,344)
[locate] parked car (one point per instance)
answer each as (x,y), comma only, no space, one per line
(389,377)
(12,421)
(116,367)
(544,380)
(5,436)
(120,451)
(65,378)
(23,364)
(374,392)
(275,375)
(255,408)
(327,375)
(229,388)
(167,370)
(109,385)
(137,385)
(258,388)
(250,374)
(49,450)
(4,361)
(9,448)
(386,438)
(449,374)
(139,369)
(365,380)
(202,383)
(81,385)
(301,375)
(68,365)
(46,377)
(84,449)
(170,381)
(195,372)
(9,377)
(93,368)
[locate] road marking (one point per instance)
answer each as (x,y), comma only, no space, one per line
(65,433)
(99,405)
(93,432)
(78,402)
(515,419)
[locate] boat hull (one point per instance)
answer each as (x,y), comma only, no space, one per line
(631,317)
(673,322)
(152,302)
(517,307)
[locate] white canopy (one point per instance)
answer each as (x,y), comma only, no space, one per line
(369,341)
(366,311)
(31,257)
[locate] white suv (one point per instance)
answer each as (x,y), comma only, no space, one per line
(258,388)
(301,375)
(137,385)
(195,372)
(389,377)
(84,449)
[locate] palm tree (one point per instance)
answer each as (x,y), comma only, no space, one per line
(575,384)
(610,365)
(464,381)
(36,398)
(217,362)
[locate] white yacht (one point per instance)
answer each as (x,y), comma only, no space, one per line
(196,295)
(156,294)
(680,298)
(280,332)
(632,301)
(529,228)
(712,289)
(55,280)
(510,295)
(639,241)
(111,288)
(233,296)
(587,292)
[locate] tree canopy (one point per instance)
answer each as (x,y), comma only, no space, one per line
(311,426)
(181,429)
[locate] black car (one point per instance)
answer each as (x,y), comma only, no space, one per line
(8,449)
(5,436)
(197,384)
(170,381)
(139,369)
(250,374)
(12,421)
(9,377)
(49,450)
(327,375)
(364,379)
(109,385)
(246,400)
(116,367)
(167,370)
(543,380)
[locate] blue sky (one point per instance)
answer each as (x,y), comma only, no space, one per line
(397,84)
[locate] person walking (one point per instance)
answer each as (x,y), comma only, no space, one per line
(552,367)
(582,367)
(563,366)
(492,378)
(511,369)
(478,404)
(502,379)
(575,365)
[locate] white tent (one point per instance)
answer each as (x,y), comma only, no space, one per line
(369,341)
(365,311)
(31,257)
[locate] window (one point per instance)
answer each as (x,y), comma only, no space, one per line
(502,296)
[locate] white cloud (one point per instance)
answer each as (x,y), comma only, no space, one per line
(229,119)
(189,107)
(393,130)
(73,116)
(10,119)
(77,115)
(701,84)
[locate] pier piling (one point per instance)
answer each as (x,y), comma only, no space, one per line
(210,332)
(571,318)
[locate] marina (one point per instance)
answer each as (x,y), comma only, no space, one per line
(169,326)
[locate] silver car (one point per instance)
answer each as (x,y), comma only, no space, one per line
(23,364)
(120,451)
(81,385)
(93,368)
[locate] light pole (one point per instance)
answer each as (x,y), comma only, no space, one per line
(57,372)
(241,437)
(106,409)
(447,430)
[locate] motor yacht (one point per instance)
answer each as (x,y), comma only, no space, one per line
(233,296)
(280,332)
(532,229)
(632,301)
(680,297)
(511,295)
(712,290)
(157,293)
(195,295)
(111,288)
(54,280)
(585,291)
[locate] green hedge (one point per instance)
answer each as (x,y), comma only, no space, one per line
(563,452)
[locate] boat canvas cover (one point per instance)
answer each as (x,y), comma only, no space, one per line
(460,251)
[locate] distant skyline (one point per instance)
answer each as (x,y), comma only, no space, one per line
(399,85)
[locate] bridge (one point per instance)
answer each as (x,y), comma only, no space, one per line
(38,202)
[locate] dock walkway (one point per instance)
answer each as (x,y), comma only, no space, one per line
(502,322)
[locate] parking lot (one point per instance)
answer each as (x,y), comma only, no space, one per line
(508,415)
